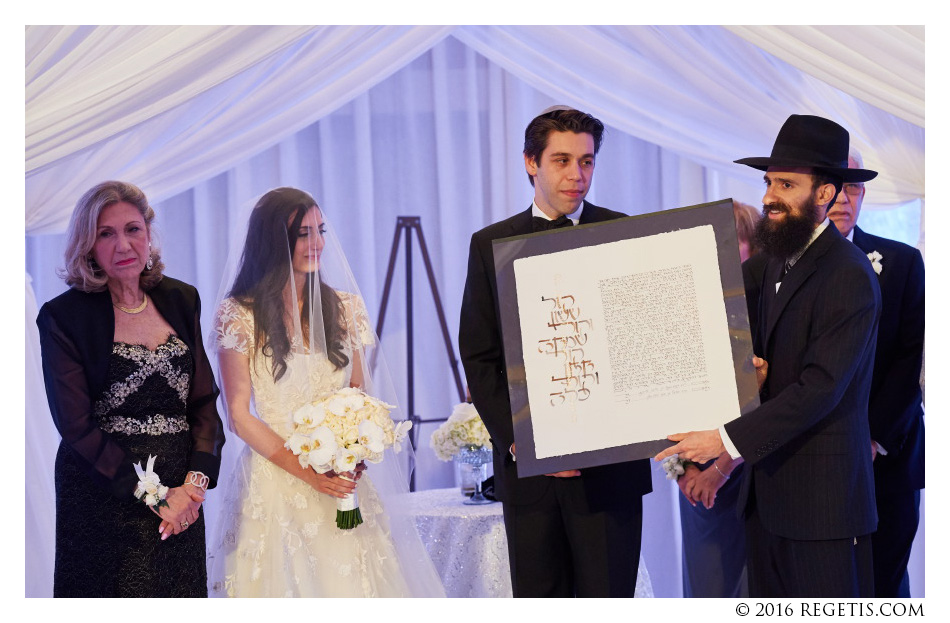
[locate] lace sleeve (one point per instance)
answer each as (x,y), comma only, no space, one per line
(233,327)
(359,332)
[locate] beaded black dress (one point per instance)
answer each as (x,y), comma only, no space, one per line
(111,547)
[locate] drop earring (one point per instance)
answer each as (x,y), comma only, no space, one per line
(150,262)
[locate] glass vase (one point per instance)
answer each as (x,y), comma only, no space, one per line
(464,478)
(475,457)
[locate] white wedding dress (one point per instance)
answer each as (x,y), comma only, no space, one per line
(278,536)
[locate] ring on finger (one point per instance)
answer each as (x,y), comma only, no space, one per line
(184,525)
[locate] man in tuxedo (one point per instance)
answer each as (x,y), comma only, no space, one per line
(576,532)
(807,493)
(895,410)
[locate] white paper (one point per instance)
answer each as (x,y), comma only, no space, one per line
(625,342)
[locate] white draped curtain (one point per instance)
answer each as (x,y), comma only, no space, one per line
(172,106)
(379,122)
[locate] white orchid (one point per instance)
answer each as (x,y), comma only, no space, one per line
(876,258)
(371,436)
(310,415)
(337,405)
(323,449)
(300,443)
(401,431)
(345,460)
(354,402)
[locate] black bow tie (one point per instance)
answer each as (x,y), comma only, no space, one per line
(543,224)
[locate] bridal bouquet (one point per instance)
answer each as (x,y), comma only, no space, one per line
(337,431)
(463,430)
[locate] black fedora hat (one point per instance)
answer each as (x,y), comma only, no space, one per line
(816,142)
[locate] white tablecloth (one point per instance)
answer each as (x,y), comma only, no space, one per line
(468,546)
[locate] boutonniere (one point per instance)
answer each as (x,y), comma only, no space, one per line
(675,467)
(876,258)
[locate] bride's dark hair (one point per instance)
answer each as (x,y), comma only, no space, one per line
(272,231)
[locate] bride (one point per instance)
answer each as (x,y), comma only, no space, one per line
(284,337)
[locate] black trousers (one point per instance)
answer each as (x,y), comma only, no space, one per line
(557,550)
(830,569)
(898,513)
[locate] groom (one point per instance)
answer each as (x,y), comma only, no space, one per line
(576,532)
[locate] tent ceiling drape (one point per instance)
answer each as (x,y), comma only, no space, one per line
(881,65)
(247,88)
(197,100)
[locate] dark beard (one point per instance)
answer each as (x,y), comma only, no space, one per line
(785,240)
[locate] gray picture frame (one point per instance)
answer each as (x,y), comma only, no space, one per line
(718,214)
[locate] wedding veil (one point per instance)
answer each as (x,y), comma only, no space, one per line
(311,323)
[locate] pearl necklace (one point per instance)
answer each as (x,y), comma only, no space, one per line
(134,310)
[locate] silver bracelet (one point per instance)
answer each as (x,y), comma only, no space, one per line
(201,481)
(720,471)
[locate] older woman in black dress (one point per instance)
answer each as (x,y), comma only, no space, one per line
(127,379)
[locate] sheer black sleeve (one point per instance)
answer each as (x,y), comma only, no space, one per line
(207,430)
(67,390)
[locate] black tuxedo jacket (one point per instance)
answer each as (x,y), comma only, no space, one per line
(807,446)
(483,358)
(895,409)
(77,330)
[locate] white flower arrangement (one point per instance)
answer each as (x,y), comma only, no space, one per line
(675,467)
(150,488)
(463,429)
(876,258)
(337,431)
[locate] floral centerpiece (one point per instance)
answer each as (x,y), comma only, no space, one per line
(463,437)
(337,431)
(463,430)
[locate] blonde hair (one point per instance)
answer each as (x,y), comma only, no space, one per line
(746,218)
(81,271)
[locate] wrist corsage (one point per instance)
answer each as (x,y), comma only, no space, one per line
(150,489)
(675,467)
